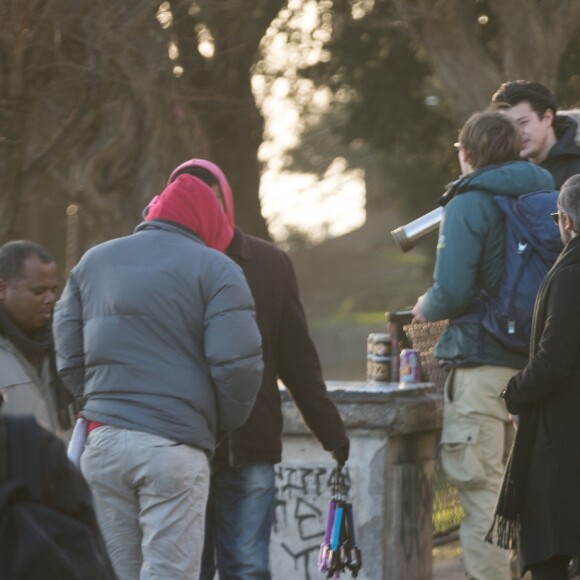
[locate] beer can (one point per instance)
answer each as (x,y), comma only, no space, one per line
(410,366)
(379,357)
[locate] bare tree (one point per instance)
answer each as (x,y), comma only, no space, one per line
(405,74)
(89,106)
(99,100)
(221,83)
(30,59)
(532,36)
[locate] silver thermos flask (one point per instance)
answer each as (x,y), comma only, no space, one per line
(406,236)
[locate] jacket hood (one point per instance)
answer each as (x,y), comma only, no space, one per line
(191,203)
(511,179)
(568,133)
(225,188)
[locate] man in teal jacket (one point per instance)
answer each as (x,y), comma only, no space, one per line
(477,431)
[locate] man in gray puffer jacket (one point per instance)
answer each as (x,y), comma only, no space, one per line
(156,332)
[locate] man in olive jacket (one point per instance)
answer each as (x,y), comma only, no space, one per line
(477,431)
(241,507)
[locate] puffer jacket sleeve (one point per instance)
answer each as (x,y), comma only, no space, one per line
(68,336)
(233,347)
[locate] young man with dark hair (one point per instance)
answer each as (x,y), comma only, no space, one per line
(477,430)
(28,380)
(241,506)
(548,139)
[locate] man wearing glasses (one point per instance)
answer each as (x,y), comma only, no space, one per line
(477,431)
(538,507)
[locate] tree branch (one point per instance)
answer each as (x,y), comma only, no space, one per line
(447,31)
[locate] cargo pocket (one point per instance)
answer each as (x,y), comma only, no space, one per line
(459,457)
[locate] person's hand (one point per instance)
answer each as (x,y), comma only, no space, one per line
(417,314)
(340,454)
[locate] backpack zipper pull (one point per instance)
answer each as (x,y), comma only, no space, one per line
(511,326)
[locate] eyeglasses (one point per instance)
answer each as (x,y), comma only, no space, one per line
(556,217)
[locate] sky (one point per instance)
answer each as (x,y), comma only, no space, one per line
(316,207)
(292,203)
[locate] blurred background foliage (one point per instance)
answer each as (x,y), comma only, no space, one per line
(400,78)
(99,101)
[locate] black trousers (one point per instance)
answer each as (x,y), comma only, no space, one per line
(556,568)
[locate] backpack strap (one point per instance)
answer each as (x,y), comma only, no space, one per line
(24,453)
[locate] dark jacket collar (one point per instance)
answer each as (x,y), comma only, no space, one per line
(570,255)
(31,346)
(566,133)
(239,248)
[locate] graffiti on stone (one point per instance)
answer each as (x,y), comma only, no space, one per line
(302,496)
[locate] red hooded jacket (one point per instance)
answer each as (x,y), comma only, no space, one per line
(191,203)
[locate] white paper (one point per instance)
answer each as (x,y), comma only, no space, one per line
(77,441)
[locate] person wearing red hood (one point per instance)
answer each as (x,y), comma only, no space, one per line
(156,335)
(241,506)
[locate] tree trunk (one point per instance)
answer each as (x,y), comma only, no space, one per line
(533,36)
(90,101)
(227,108)
(235,134)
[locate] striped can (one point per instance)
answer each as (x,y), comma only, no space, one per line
(379,357)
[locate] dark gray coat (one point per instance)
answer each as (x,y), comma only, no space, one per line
(158,332)
(289,355)
(548,389)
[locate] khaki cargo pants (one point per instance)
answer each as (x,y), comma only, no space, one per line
(475,443)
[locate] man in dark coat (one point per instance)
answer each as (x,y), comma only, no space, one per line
(241,506)
(539,504)
(548,139)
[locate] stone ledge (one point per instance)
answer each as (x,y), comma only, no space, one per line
(386,406)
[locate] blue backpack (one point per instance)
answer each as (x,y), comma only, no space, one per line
(532,245)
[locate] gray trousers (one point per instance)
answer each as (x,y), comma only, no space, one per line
(150,497)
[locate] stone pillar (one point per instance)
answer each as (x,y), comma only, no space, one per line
(394,434)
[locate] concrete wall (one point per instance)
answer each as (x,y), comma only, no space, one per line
(303,492)
(394,434)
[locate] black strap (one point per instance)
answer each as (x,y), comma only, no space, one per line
(24,453)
